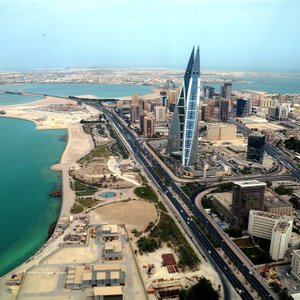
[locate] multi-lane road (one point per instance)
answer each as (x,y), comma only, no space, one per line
(212,254)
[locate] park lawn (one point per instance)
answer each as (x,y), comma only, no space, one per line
(146,192)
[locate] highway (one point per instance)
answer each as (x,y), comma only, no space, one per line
(148,161)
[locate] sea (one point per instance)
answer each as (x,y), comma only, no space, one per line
(26,155)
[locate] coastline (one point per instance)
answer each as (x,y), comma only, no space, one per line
(78,144)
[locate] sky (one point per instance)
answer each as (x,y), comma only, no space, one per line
(233,35)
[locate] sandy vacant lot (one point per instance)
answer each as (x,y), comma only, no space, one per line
(72,255)
(40,280)
(134,214)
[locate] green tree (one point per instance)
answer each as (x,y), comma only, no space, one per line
(202,290)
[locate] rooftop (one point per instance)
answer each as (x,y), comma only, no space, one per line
(249,183)
(108,291)
(282,227)
(265,214)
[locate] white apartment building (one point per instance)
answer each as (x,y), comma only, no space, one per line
(272,227)
(281,236)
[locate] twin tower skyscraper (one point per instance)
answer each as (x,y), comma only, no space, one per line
(184,132)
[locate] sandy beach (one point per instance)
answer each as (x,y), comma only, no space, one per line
(153,95)
(57,113)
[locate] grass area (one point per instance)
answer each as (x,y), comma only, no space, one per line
(167,231)
(256,256)
(88,202)
(162,207)
(84,193)
(146,192)
(76,208)
(83,189)
(99,152)
(118,146)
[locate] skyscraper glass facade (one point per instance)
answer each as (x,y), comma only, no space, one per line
(183,134)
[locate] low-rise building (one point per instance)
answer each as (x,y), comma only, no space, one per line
(109,232)
(82,277)
(112,250)
(277,206)
(220,132)
(107,293)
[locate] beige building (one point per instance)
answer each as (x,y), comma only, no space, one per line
(296,263)
(160,113)
(172,96)
(107,292)
(277,206)
(136,99)
(112,250)
(221,132)
(148,126)
(281,236)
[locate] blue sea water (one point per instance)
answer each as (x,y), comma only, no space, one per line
(281,83)
(10,99)
(72,89)
(26,211)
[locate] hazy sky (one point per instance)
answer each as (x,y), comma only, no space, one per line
(232,34)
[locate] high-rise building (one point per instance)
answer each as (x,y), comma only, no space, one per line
(164,98)
(183,134)
(226,90)
(208,110)
(272,227)
(135,111)
(256,147)
(142,116)
(224,109)
(136,98)
(160,113)
(296,263)
(279,112)
(262,223)
(243,107)
(172,96)
(208,92)
(247,195)
(281,236)
(148,125)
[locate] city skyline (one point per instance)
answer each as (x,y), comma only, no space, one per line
(233,35)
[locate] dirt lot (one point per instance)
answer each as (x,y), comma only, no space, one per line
(40,280)
(73,255)
(243,243)
(134,214)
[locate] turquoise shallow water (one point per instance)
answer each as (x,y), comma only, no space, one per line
(69,89)
(27,211)
(10,99)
